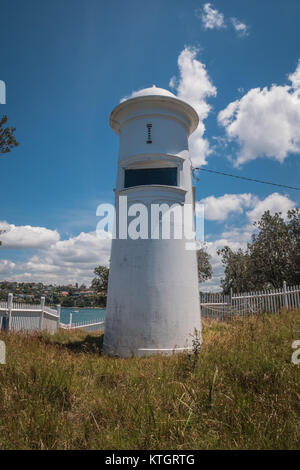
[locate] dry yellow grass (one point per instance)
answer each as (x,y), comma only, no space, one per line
(240,392)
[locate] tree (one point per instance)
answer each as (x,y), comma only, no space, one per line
(237,270)
(270,250)
(100,282)
(204,266)
(7,138)
(67,302)
(294,231)
(272,256)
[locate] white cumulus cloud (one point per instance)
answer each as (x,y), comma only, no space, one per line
(26,236)
(69,261)
(211,17)
(193,86)
(6,266)
(219,208)
(55,261)
(240,28)
(265,122)
(294,78)
(274,203)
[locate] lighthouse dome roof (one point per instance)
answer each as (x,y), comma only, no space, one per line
(153,90)
(136,104)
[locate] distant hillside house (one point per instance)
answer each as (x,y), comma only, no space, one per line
(87,292)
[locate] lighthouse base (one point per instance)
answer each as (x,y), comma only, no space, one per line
(153,299)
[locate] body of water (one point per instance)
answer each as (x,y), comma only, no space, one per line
(81,314)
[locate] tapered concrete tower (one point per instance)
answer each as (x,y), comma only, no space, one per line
(153,296)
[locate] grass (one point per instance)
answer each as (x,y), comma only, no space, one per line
(240,392)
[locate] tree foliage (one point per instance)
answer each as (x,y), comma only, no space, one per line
(237,268)
(7,138)
(100,282)
(272,256)
(204,266)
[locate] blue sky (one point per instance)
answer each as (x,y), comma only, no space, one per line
(67,63)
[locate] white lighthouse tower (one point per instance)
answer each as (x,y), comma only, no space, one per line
(153,296)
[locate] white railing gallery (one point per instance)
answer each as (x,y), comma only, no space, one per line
(16,316)
(221,307)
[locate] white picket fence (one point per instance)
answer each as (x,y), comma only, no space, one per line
(222,307)
(87,325)
(16,316)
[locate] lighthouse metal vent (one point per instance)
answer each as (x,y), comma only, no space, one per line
(149,136)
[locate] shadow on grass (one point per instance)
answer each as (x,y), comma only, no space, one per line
(89,344)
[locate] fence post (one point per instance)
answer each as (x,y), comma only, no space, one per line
(58,308)
(70,322)
(9,306)
(285,295)
(42,313)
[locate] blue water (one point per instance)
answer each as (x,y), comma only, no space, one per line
(81,314)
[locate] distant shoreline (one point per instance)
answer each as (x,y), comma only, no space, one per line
(90,308)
